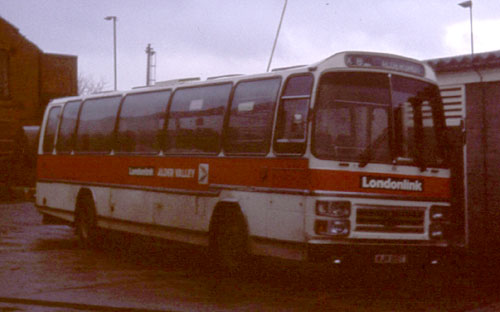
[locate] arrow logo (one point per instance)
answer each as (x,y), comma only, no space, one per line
(203,173)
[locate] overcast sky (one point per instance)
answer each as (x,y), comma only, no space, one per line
(213,37)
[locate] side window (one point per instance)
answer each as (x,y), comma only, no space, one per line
(141,122)
(196,118)
(96,125)
(66,137)
(291,126)
(250,121)
(50,130)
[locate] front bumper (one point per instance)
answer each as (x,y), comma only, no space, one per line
(380,254)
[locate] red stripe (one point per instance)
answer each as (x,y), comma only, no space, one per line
(259,172)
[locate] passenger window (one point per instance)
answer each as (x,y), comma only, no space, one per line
(141,122)
(96,125)
(251,117)
(50,130)
(66,136)
(291,126)
(196,118)
(292,121)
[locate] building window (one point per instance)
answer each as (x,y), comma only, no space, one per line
(4,74)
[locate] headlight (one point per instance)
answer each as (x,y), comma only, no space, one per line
(332,227)
(336,209)
(438,213)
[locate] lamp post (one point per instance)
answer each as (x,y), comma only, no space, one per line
(277,34)
(468,4)
(113,18)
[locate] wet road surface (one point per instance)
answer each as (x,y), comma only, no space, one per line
(42,268)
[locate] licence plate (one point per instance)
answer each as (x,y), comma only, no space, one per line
(390,259)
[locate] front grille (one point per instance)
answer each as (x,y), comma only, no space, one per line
(390,220)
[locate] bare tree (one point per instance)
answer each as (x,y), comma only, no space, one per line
(87,84)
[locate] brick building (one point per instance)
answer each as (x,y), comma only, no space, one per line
(29,78)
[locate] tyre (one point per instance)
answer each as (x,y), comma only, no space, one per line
(85,224)
(229,243)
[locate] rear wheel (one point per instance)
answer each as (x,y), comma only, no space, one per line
(229,243)
(85,224)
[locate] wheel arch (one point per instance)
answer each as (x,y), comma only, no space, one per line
(85,196)
(222,210)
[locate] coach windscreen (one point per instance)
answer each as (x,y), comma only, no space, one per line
(380,118)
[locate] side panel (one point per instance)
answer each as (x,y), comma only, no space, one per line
(285,218)
(59,197)
(174,197)
(128,205)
